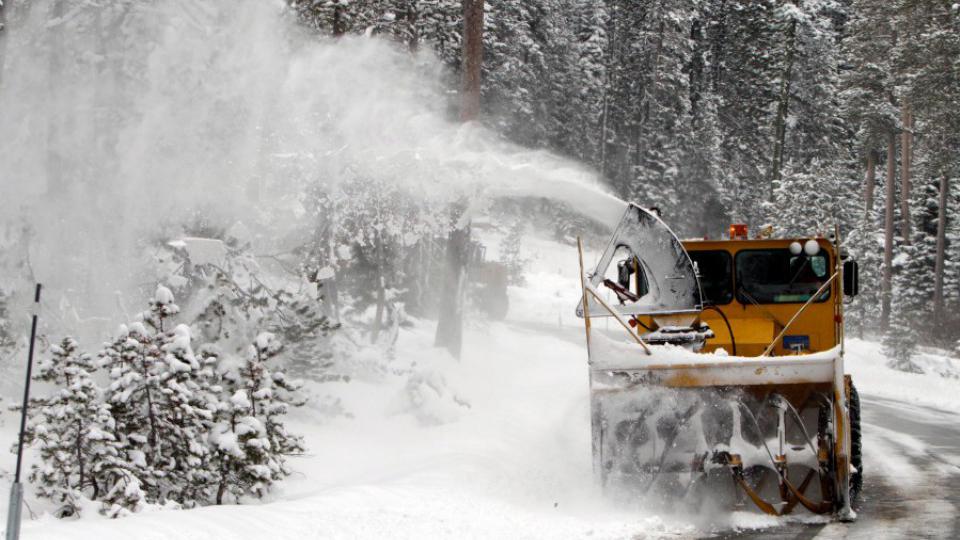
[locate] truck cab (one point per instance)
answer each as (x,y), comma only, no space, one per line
(752,288)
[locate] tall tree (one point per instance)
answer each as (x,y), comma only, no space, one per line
(450,323)
(72,426)
(939,265)
(472,59)
(788,15)
(906,165)
(869,184)
(887,283)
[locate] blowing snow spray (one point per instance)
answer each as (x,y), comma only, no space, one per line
(16,490)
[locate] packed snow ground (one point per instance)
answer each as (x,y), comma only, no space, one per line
(493,446)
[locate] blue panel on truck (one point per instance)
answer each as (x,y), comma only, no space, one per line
(796,343)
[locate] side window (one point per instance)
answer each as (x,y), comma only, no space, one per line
(628,273)
(715,269)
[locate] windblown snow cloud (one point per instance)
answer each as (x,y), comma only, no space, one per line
(121,119)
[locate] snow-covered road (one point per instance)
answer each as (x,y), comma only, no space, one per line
(912,478)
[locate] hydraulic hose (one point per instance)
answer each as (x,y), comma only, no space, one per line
(733,342)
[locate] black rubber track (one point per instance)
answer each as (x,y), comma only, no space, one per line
(856,448)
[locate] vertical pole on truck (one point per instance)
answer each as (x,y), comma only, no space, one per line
(594,441)
(16,490)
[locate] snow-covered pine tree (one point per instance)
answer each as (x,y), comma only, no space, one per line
(186,406)
(515,71)
(411,23)
(510,252)
(249,440)
(231,300)
(741,39)
(865,245)
(902,336)
(305,325)
(8,341)
(658,128)
(161,408)
(72,427)
(134,363)
(926,60)
(814,126)
(588,84)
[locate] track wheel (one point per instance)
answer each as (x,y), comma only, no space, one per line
(856,447)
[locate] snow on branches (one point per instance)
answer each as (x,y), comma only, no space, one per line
(249,438)
(175,425)
(72,428)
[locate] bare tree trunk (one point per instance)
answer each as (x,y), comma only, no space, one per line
(78,450)
(870,182)
(939,263)
(339,21)
(888,233)
(381,292)
(604,121)
(332,296)
(450,320)
(783,104)
(472,58)
(413,38)
(906,161)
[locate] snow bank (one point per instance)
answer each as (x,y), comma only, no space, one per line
(515,463)
(938,386)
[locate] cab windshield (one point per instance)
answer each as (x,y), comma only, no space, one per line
(776,276)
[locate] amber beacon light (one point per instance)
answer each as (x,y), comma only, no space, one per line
(738,231)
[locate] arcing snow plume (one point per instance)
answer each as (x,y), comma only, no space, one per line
(121,118)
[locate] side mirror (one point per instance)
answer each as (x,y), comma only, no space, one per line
(851,278)
(624,271)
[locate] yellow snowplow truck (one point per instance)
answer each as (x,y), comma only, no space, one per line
(723,383)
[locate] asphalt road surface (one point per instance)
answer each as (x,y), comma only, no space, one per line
(911,479)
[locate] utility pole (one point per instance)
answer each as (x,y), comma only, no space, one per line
(16,490)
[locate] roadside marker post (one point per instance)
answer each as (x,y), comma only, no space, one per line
(16,490)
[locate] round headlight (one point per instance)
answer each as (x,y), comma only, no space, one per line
(795,248)
(811,248)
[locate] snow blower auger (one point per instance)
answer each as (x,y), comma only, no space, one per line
(729,385)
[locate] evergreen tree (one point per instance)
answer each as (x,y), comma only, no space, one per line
(72,428)
(8,341)
(902,337)
(159,407)
(250,442)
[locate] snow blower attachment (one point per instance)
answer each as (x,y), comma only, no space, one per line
(675,414)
